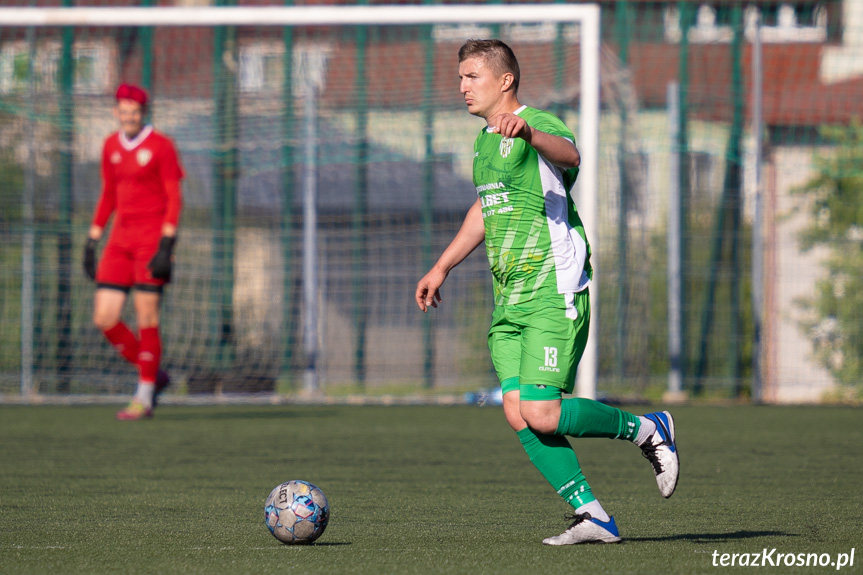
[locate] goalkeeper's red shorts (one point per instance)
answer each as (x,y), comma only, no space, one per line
(126,256)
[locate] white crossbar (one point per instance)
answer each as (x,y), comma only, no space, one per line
(295,15)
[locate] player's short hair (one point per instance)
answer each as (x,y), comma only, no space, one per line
(496,54)
(132,92)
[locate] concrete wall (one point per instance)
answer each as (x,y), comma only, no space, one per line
(793,375)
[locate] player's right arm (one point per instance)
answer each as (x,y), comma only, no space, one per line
(470,235)
(107,199)
(104,208)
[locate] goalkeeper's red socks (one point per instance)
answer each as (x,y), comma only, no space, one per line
(149,354)
(145,353)
(124,341)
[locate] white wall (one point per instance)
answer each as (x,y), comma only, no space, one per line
(793,376)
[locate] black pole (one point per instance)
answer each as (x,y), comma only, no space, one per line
(428,197)
(64,216)
(729,205)
(287,213)
(225,172)
(361,210)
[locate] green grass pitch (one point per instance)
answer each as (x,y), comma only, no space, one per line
(413,490)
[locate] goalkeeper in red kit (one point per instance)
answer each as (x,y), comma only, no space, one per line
(141,175)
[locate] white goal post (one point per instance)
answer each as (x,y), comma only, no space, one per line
(586,15)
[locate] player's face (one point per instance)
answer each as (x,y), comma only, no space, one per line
(482,89)
(131,116)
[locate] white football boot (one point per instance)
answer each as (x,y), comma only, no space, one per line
(661,451)
(586,529)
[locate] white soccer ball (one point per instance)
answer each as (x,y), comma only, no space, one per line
(296,512)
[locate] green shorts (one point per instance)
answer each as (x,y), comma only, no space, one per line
(540,342)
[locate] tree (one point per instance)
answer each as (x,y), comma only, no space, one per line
(836,193)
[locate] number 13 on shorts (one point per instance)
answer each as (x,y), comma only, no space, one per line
(550,356)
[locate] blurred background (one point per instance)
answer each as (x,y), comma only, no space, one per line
(327,167)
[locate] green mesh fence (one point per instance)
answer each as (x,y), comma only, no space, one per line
(392,156)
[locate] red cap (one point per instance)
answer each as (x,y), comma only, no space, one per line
(130,92)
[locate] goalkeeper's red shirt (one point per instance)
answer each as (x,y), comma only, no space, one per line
(141,183)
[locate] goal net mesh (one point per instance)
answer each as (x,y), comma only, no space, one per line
(391,158)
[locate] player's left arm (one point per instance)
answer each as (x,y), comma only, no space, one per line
(558,150)
(175,205)
(171,173)
(469,237)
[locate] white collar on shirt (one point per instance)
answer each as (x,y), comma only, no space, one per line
(130,145)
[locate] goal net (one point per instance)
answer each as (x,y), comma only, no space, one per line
(328,159)
(328,162)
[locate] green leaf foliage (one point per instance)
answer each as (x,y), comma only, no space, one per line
(836,209)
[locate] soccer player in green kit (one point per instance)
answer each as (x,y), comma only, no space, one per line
(525,163)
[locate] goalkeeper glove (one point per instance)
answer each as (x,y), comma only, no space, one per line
(160,265)
(90,258)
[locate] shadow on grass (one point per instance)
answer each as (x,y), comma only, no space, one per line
(714,537)
(316,544)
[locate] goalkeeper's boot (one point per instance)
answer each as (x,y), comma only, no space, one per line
(661,451)
(586,529)
(134,411)
(163,380)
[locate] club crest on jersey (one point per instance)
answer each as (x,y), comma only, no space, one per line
(505,147)
(144,156)
(116,158)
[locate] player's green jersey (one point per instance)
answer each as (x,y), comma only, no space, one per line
(534,238)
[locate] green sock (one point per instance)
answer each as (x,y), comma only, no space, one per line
(554,458)
(581,417)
